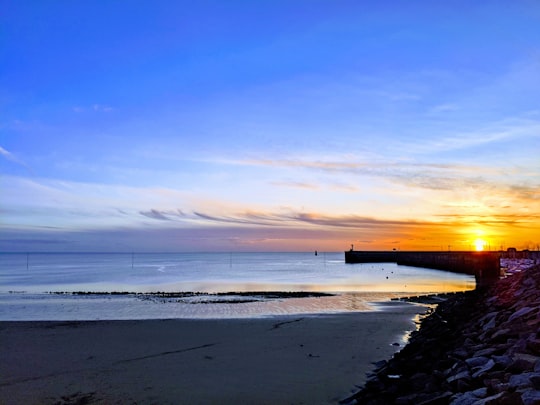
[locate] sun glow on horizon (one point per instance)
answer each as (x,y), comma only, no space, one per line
(480,244)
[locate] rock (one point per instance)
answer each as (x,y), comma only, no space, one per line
(441,399)
(498,374)
(407,400)
(464,385)
(502,335)
(491,399)
(459,376)
(520,381)
(461,353)
(466,398)
(379,364)
(491,323)
(534,346)
(496,385)
(521,313)
(502,398)
(486,352)
(530,397)
(432,387)
(419,380)
(480,392)
(476,361)
(469,398)
(484,369)
(503,361)
(523,362)
(375,385)
(535,381)
(534,323)
(457,367)
(488,317)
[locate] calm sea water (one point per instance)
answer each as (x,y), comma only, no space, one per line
(26,280)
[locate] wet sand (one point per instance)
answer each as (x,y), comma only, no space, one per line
(279,360)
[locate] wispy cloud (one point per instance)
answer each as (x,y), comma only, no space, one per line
(296,184)
(242,219)
(499,220)
(6,154)
(351,165)
(12,158)
(163,215)
(293,218)
(155,214)
(499,181)
(507,130)
(434,176)
(527,192)
(102,108)
(444,108)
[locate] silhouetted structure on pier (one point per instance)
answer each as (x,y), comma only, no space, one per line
(485,266)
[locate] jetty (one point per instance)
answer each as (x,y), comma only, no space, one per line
(484,265)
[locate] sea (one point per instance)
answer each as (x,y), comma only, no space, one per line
(50,286)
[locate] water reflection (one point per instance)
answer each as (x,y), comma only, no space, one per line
(95,307)
(416,286)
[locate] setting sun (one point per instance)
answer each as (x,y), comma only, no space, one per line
(479,244)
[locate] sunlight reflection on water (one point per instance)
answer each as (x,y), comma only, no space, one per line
(19,306)
(355,285)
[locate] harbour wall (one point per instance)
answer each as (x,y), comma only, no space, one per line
(485,266)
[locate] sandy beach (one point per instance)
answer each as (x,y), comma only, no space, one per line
(283,360)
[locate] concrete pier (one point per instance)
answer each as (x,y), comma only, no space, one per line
(485,266)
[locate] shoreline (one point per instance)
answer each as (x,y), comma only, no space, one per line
(281,359)
(480,347)
(126,306)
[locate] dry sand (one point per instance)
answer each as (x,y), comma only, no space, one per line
(281,360)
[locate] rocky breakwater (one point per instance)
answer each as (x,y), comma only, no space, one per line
(479,347)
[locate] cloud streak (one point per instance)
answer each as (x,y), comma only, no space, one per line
(431,176)
(273,219)
(99,108)
(12,158)
(155,214)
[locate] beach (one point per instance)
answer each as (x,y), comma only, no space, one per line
(276,360)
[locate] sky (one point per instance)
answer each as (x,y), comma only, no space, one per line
(172,126)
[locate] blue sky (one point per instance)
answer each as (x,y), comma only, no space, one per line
(269,125)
